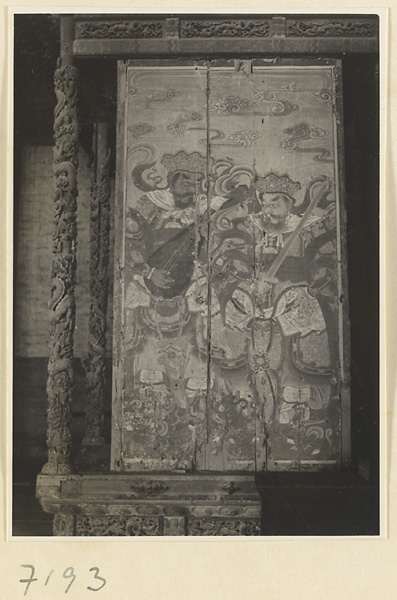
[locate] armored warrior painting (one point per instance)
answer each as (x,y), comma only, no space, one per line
(231,303)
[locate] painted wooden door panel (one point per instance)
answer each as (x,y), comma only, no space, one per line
(230,327)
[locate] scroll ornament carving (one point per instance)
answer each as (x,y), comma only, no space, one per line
(119,29)
(106,526)
(99,284)
(235,28)
(62,302)
(224,527)
(117,526)
(137,526)
(348,28)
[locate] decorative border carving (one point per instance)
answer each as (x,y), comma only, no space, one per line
(118,29)
(116,525)
(138,526)
(229,28)
(108,525)
(328,28)
(224,527)
(62,303)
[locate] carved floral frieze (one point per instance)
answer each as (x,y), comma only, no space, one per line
(223,527)
(107,525)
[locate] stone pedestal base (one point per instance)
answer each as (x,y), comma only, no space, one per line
(151,505)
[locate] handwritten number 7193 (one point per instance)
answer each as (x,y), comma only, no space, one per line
(67,574)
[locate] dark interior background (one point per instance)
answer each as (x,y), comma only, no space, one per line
(36,52)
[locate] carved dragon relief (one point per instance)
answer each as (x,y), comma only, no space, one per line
(118,29)
(62,302)
(229,28)
(327,28)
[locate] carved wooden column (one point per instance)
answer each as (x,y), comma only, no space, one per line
(62,303)
(99,286)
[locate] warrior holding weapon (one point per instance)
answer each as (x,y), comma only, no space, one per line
(284,307)
(279,310)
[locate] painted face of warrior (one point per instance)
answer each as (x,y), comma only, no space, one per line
(156,176)
(183,186)
(275,210)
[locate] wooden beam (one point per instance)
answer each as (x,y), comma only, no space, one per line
(128,48)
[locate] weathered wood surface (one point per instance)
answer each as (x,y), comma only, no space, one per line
(124,36)
(126,48)
(168,504)
(292,504)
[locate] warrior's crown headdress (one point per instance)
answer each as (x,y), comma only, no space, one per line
(193,163)
(273,184)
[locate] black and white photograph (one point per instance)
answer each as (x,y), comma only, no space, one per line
(196,264)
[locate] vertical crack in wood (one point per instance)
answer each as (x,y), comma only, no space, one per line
(62,302)
(95,361)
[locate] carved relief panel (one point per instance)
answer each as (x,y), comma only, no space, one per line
(230,328)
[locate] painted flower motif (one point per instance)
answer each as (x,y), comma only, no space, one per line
(260,362)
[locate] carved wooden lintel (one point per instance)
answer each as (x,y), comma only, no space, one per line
(62,302)
(99,286)
(268,26)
